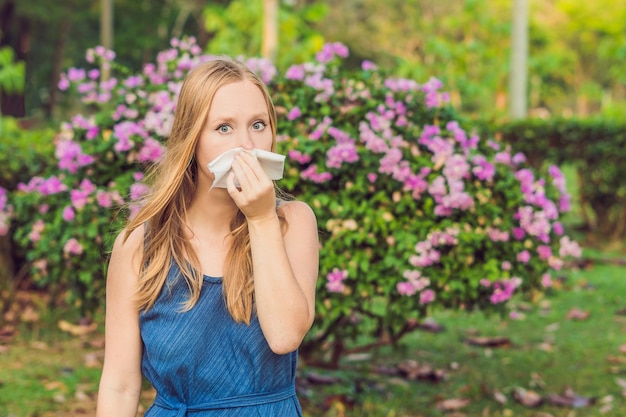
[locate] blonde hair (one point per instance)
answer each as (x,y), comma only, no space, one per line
(173,183)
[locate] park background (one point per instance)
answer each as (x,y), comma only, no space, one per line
(556,350)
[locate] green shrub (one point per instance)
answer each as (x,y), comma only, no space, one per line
(597,149)
(414,211)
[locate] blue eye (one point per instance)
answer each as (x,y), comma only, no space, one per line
(224,129)
(258,125)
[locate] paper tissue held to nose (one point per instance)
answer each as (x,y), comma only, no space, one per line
(272,163)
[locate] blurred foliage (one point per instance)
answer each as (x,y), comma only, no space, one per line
(238,30)
(577,49)
(11,72)
(34,147)
(576,62)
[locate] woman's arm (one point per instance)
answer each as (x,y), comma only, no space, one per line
(120,384)
(285,265)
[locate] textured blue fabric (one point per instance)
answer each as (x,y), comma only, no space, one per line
(204,364)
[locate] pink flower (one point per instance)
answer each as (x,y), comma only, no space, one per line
(79,198)
(68,214)
(294,113)
(545,252)
(73,247)
(427,296)
(335,280)
(138,190)
(546,281)
(406,288)
(558,228)
(569,248)
(311,174)
(555,263)
(295,72)
(523,256)
(506,266)
(368,66)
(104,199)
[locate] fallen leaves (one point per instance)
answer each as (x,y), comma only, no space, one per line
(498,341)
(80,329)
(570,399)
(413,371)
(452,404)
(527,398)
(577,314)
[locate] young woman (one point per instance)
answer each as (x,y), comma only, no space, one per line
(210,291)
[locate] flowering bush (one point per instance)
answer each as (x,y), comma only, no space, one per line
(414,210)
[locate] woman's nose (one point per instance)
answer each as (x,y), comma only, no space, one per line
(245,141)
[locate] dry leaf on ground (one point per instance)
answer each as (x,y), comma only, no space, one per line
(570,399)
(497,341)
(577,314)
(452,404)
(77,329)
(526,397)
(414,370)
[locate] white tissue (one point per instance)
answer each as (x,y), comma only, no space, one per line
(272,163)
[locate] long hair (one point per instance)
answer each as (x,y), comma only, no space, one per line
(173,182)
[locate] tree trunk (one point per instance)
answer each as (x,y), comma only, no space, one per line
(269,48)
(7,270)
(59,49)
(519,57)
(106,33)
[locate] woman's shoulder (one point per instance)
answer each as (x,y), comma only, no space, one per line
(295,208)
(129,240)
(298,215)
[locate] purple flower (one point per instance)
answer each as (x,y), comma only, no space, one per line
(138,190)
(104,199)
(368,66)
(299,157)
(79,198)
(133,81)
(335,280)
(72,247)
(68,213)
(523,256)
(64,83)
(545,252)
(330,50)
(294,113)
(569,248)
(75,74)
(295,72)
(93,74)
(340,153)
(456,168)
(483,170)
(427,296)
(558,228)
(151,151)
(519,158)
(311,174)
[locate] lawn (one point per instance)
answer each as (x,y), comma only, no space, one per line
(568,342)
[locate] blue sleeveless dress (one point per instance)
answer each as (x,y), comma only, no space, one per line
(204,364)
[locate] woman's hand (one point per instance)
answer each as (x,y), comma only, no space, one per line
(255,195)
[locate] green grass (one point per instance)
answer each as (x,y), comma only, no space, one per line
(577,358)
(46,372)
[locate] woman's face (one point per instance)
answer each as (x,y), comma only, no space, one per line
(238,117)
